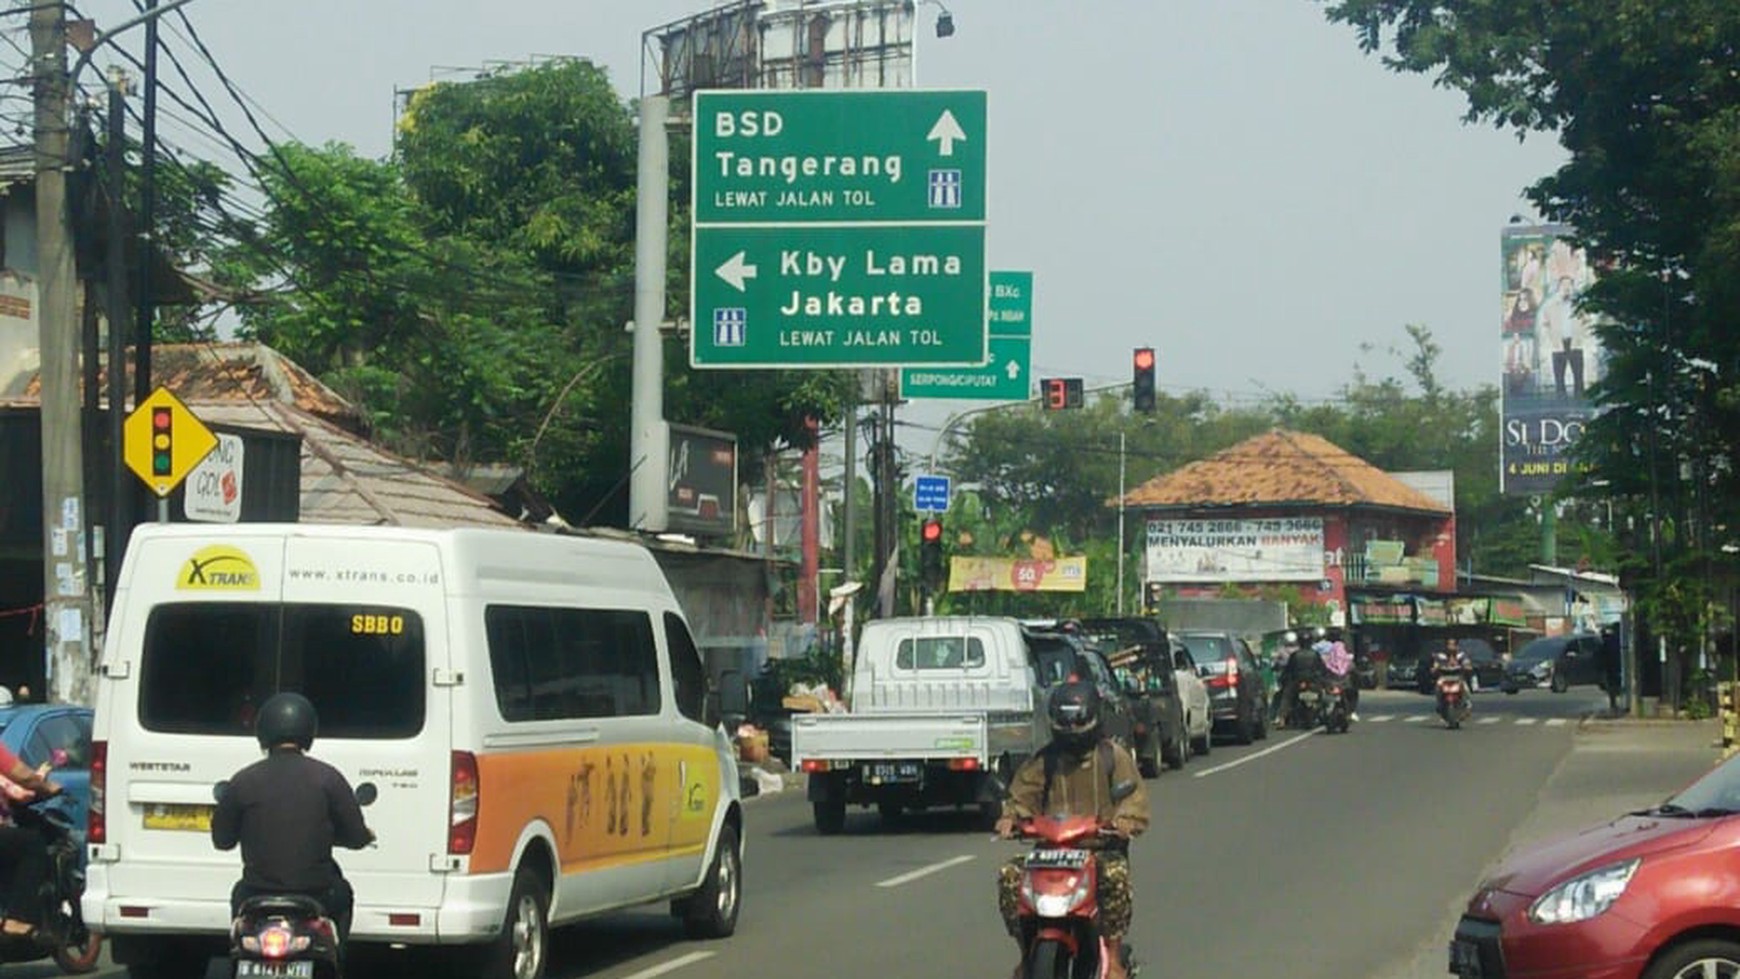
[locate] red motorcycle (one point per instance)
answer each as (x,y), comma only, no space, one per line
(1453,704)
(1059,903)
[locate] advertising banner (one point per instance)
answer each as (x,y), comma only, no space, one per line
(1017,574)
(1280,549)
(1551,356)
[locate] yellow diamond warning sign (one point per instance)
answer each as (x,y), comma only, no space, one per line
(162,441)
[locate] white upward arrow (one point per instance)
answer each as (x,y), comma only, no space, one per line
(736,271)
(946,132)
(1013,370)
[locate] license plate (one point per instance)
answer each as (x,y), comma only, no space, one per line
(301,969)
(1308,695)
(1465,960)
(181,818)
(898,771)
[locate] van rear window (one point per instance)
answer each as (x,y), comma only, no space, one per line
(207,666)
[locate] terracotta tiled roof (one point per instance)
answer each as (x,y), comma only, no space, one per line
(1281,467)
(235,372)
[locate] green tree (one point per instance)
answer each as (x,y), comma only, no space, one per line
(1645,98)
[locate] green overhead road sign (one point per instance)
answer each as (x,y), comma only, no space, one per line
(1005,376)
(838,229)
(803,156)
(840,297)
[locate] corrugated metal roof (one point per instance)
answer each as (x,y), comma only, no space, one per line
(347,480)
(1281,467)
(17,165)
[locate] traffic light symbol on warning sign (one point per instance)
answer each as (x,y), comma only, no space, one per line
(162,444)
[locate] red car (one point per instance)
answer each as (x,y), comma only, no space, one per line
(1654,894)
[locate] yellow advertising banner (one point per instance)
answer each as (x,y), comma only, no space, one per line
(1017,574)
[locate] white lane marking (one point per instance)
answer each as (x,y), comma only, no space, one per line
(672,966)
(913,875)
(1381,718)
(1524,721)
(1415,718)
(1556,722)
(1253,756)
(1489,720)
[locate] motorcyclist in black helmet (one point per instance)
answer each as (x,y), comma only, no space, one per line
(288,811)
(1074,775)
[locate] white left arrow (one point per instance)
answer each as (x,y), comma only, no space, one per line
(1013,370)
(946,132)
(736,271)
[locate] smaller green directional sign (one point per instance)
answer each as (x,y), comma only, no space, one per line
(1003,379)
(1004,376)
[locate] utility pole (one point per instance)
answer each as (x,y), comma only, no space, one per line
(143,325)
(649,436)
(65,597)
(116,311)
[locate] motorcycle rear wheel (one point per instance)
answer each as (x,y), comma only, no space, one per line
(1049,960)
(80,959)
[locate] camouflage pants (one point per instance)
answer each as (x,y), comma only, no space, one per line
(1115,895)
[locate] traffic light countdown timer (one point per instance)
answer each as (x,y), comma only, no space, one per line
(1142,379)
(1058,393)
(930,555)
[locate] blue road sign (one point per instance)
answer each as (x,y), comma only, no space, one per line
(931,493)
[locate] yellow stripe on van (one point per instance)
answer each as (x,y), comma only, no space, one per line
(607,806)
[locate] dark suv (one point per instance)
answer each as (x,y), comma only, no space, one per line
(1058,655)
(1139,650)
(1237,695)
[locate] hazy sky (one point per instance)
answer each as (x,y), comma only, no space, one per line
(1230,181)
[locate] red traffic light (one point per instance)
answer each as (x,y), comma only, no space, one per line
(1144,358)
(932,531)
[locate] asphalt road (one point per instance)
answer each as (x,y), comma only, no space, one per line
(1338,856)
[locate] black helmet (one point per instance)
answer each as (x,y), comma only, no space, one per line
(1074,711)
(287,718)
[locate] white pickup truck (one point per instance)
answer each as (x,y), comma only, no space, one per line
(940,711)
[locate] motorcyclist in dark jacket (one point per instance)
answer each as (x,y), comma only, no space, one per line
(288,811)
(1305,663)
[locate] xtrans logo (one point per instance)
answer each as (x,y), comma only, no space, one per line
(219,567)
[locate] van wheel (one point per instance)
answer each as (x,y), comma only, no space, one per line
(711,912)
(830,816)
(523,947)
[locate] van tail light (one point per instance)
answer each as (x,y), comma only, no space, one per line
(462,810)
(963,764)
(96,827)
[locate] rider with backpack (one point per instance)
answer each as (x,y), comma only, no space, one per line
(1074,775)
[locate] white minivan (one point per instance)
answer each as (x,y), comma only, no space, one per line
(530,708)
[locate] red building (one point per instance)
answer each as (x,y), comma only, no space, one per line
(1287,509)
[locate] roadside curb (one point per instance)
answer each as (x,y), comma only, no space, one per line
(1609,721)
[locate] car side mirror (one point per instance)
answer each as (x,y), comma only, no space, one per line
(1123,790)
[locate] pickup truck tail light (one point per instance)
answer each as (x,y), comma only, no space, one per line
(963,764)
